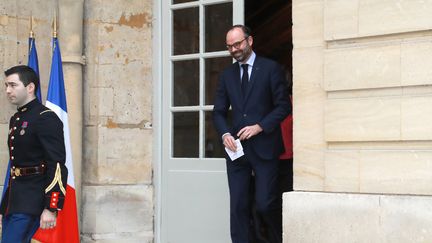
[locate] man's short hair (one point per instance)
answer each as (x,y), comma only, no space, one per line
(26,74)
(246,30)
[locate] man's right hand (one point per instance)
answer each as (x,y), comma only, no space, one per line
(229,142)
(48,219)
(1,220)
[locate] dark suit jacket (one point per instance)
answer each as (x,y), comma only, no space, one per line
(266,103)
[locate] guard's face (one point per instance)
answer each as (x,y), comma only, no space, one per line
(239,47)
(16,92)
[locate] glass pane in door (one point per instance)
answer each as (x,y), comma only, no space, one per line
(218,19)
(186,134)
(186,83)
(186,31)
(213,67)
(213,142)
(182,1)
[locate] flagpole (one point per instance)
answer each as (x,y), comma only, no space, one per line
(32,56)
(31,34)
(55,26)
(31,27)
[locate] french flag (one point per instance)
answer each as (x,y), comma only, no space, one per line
(66,230)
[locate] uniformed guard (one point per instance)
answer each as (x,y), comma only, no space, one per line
(37,186)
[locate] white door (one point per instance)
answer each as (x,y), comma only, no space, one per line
(194,188)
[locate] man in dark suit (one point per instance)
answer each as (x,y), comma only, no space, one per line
(255,88)
(36,188)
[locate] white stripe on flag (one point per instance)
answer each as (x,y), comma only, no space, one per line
(64,118)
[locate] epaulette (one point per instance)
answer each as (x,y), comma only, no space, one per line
(45,111)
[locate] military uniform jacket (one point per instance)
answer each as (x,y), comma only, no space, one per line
(35,138)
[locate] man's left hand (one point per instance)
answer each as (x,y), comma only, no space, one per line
(48,219)
(249,131)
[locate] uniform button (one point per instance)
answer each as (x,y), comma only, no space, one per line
(12,158)
(12,148)
(12,137)
(17,119)
(13,177)
(244,115)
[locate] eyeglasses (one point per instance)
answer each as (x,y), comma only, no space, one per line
(235,44)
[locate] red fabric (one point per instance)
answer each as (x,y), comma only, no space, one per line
(66,230)
(287,136)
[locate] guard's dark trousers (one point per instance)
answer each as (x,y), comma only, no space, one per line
(19,228)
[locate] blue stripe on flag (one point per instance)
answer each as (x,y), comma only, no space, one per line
(56,88)
(34,64)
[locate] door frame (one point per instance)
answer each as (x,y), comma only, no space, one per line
(157,118)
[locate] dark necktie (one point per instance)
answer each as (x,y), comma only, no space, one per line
(245,79)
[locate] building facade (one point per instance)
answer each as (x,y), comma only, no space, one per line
(362,122)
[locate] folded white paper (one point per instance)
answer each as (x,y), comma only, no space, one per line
(237,154)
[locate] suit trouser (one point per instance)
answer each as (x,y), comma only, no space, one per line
(19,228)
(267,201)
(286,176)
(285,185)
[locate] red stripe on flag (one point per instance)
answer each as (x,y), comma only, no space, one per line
(66,230)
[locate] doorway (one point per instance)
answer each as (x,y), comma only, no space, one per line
(271,24)
(194,189)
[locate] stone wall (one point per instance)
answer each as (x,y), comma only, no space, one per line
(341,218)
(363,114)
(117,167)
(362,108)
(117,188)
